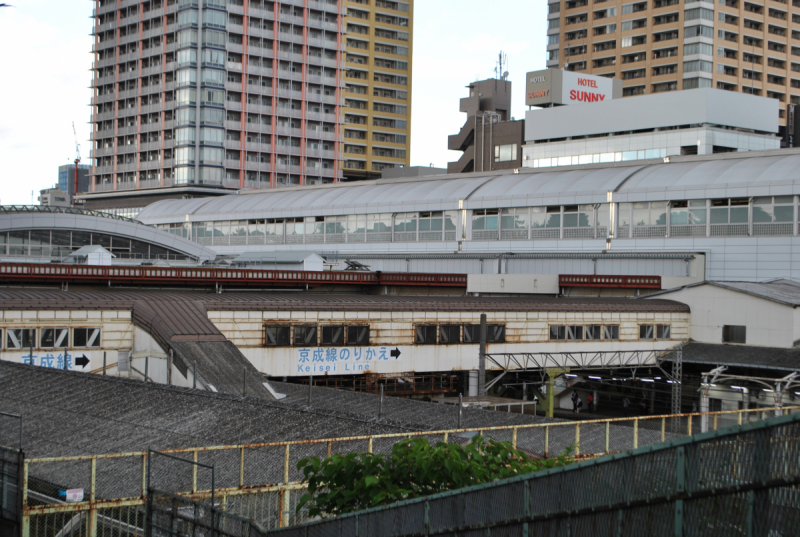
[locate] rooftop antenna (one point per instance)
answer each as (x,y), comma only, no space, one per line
(501,68)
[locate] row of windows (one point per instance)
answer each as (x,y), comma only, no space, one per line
(597,332)
(773,215)
(356,335)
(448,334)
(51,338)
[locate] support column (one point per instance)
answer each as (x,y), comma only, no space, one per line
(472,389)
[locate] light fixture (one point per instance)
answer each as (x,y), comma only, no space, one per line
(737,387)
(595,378)
(571,376)
(647,380)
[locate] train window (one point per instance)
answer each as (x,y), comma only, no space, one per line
(20,338)
(358,335)
(54,338)
(663,331)
(305,335)
(277,336)
(333,335)
(426,334)
(495,333)
(611,332)
(449,334)
(85,337)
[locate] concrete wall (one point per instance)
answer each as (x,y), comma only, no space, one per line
(768,323)
(513,283)
(396,331)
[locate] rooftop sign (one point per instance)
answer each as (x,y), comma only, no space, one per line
(554,86)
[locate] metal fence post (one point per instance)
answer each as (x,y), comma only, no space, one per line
(546,441)
(241,468)
(663,429)
(104,363)
(460,406)
(286,465)
(608,435)
(514,437)
(577,439)
(92,506)
(636,433)
(380,408)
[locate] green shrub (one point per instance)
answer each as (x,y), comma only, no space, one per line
(347,483)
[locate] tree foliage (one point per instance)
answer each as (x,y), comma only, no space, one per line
(347,483)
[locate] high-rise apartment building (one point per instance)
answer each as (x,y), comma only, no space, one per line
(207,95)
(748,46)
(377,113)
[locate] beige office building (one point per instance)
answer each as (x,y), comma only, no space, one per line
(667,45)
(377,96)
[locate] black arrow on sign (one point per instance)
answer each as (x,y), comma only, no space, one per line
(395,353)
(83,361)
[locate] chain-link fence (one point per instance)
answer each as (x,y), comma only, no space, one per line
(738,481)
(261,481)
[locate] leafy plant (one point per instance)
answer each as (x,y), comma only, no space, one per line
(415,468)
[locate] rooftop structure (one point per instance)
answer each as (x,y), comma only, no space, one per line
(489,138)
(700,122)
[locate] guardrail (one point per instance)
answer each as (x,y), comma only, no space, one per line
(261,481)
(194,276)
(618,282)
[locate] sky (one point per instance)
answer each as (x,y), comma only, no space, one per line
(46,63)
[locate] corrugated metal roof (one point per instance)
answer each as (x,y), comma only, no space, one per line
(782,291)
(254,301)
(703,175)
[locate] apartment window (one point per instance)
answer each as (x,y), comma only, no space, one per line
(54,338)
(20,338)
(449,334)
(305,335)
(277,336)
(505,153)
(333,335)
(611,332)
(85,337)
(495,333)
(358,335)
(426,334)
(734,334)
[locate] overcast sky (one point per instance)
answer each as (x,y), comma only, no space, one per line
(46,64)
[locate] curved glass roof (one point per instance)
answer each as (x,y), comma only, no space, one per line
(689,177)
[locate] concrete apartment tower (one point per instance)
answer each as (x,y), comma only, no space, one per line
(377,114)
(194,97)
(489,140)
(666,45)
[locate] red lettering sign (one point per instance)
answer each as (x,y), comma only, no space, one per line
(538,94)
(585,96)
(587,82)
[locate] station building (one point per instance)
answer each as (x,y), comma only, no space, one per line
(730,216)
